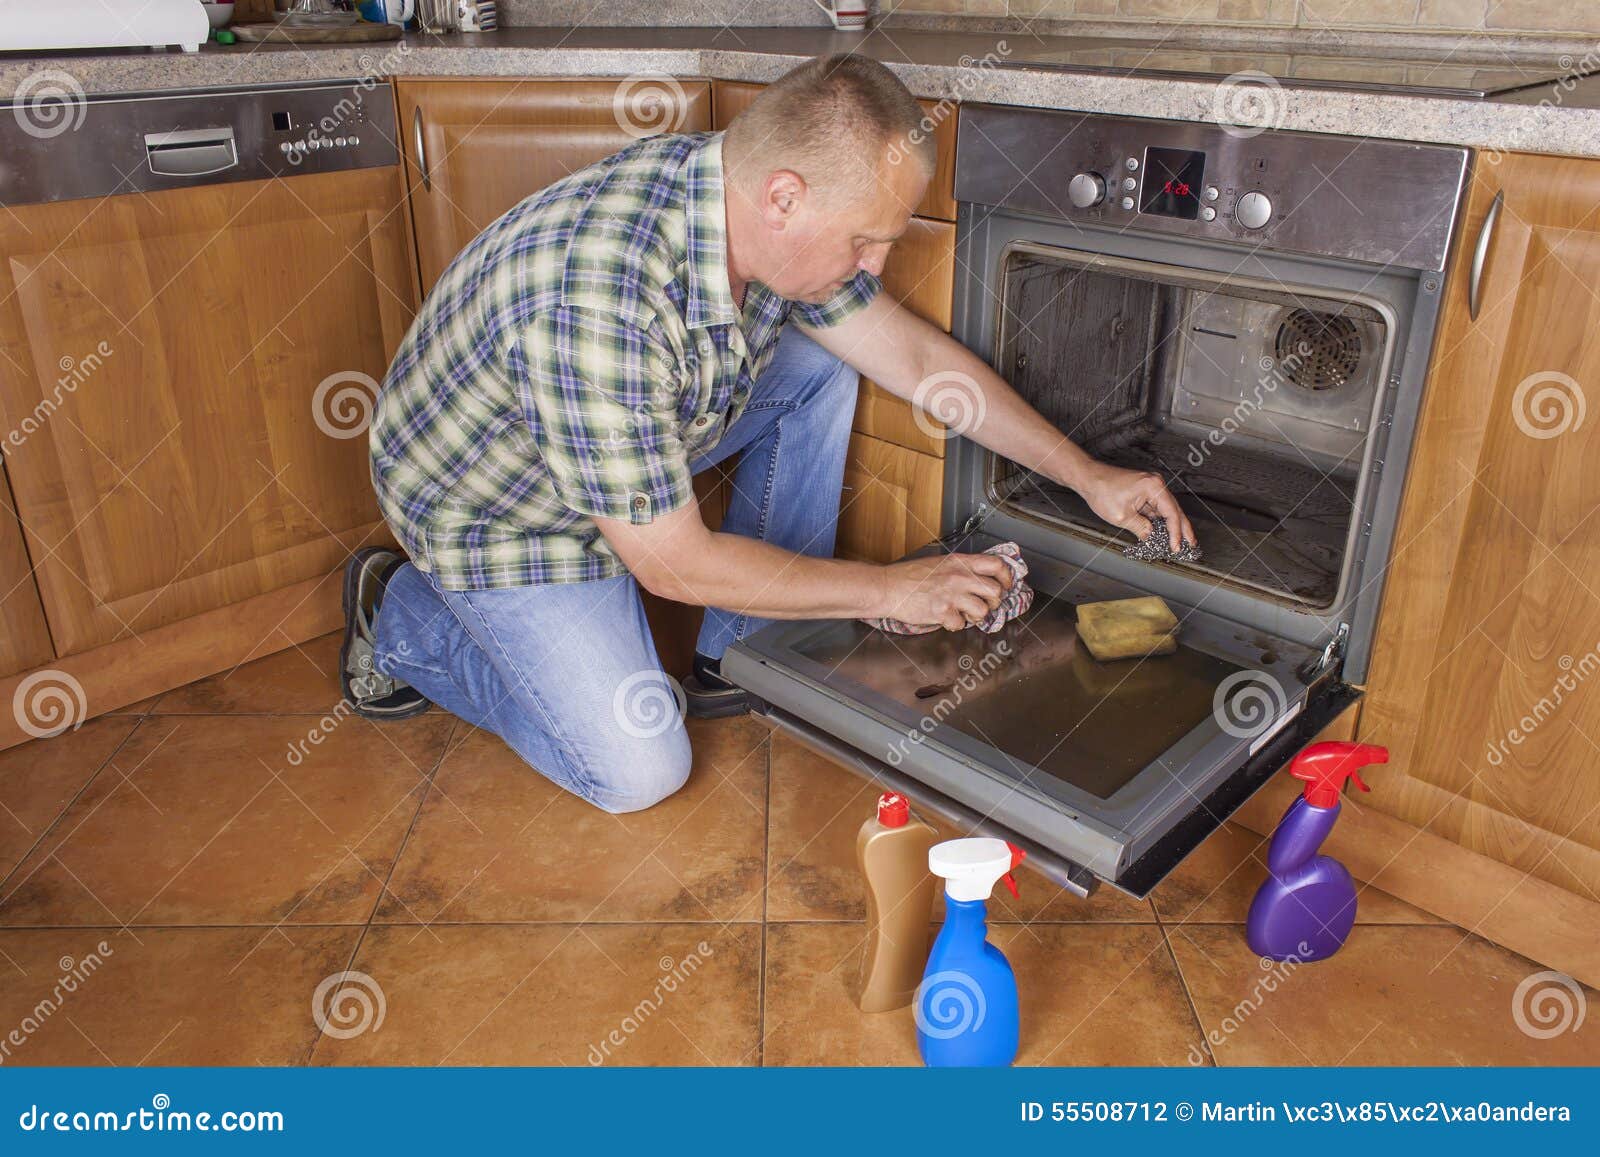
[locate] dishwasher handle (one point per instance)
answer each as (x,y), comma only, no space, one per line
(191,152)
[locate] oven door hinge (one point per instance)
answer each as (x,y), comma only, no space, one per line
(974,520)
(1332,655)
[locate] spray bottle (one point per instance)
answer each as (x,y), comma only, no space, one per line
(1307,906)
(966,1005)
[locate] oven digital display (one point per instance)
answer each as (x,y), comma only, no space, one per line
(1172,182)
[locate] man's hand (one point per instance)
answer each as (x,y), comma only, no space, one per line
(1124,498)
(950,590)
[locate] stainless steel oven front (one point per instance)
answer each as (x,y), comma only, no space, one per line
(1248,314)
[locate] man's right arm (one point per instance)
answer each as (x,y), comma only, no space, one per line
(677,557)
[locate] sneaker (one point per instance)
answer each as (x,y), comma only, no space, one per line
(709,695)
(373,695)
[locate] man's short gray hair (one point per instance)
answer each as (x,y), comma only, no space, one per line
(834,120)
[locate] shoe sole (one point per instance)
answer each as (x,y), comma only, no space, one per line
(350,593)
(701,703)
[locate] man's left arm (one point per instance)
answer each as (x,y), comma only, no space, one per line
(919,362)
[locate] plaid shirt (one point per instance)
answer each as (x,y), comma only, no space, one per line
(571,362)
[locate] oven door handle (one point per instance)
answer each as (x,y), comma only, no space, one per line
(1480,254)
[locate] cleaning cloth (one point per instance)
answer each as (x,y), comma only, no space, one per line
(1157,545)
(1012,603)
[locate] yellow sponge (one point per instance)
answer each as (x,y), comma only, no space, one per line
(1128,628)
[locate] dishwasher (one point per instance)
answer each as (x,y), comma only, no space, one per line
(188,276)
(1250,315)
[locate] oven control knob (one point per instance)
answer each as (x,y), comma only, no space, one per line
(1086,190)
(1253,210)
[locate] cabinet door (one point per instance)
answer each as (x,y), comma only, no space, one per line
(733,97)
(890,504)
(485,145)
(193,370)
(1485,680)
(920,273)
(24,637)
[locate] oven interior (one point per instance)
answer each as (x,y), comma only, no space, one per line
(1254,402)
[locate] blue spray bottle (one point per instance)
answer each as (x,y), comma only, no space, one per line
(966,1005)
(1307,906)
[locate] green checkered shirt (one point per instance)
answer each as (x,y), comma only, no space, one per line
(572,361)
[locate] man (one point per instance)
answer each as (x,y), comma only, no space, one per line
(534,442)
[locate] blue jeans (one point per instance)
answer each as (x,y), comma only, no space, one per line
(567,673)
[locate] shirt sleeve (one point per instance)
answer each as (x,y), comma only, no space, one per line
(598,393)
(853,296)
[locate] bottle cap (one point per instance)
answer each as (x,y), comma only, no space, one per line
(971,867)
(1325,766)
(894,810)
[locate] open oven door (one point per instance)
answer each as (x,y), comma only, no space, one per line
(1102,771)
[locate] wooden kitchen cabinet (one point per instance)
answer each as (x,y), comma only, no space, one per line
(487,144)
(198,366)
(891,499)
(1491,611)
(24,635)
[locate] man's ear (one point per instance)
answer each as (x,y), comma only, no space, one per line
(784,194)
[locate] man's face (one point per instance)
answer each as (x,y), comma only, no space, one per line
(822,246)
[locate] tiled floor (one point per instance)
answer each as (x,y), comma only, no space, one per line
(226,875)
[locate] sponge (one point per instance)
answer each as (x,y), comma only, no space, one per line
(1128,628)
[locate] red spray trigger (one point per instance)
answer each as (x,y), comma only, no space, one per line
(1010,881)
(1325,767)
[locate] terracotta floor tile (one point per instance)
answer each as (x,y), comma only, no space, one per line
(817,810)
(38,780)
(1220,878)
(302,679)
(554,994)
(1394,995)
(1091,994)
(496,841)
(209,820)
(165,996)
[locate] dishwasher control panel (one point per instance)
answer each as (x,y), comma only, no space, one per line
(93,146)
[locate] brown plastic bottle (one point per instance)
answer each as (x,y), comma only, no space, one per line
(892,850)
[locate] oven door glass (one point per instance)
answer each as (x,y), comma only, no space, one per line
(1120,767)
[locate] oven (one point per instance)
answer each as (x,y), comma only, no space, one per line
(1250,315)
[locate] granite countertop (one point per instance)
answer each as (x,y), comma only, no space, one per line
(1562,118)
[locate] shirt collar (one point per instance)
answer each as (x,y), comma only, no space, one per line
(710,298)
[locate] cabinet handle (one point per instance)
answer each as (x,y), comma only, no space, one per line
(1480,255)
(422,153)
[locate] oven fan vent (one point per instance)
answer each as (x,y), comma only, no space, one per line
(1317,351)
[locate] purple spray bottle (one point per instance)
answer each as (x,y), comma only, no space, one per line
(1307,906)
